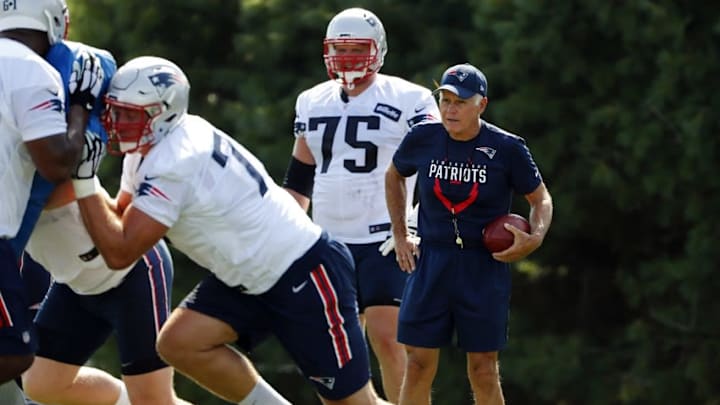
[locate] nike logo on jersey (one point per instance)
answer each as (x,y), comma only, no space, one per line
(418,109)
(296,288)
(490,152)
(54,92)
(148,178)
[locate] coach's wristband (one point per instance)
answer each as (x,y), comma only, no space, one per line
(86,187)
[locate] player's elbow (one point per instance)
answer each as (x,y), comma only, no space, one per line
(118,261)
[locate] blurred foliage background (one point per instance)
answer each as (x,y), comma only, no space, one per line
(616,99)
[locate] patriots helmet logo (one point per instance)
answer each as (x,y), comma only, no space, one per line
(163,80)
(461,75)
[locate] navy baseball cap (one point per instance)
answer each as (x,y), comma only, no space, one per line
(464,80)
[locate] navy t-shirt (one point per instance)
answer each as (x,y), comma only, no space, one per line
(476,178)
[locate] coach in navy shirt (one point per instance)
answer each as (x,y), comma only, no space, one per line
(468,171)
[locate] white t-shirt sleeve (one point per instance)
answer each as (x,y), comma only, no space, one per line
(421,107)
(300,124)
(39,106)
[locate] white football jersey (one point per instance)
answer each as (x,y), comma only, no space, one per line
(62,245)
(32,103)
(353,140)
(223,209)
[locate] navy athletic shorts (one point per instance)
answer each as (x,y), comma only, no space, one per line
(456,291)
(17,336)
(71,327)
(379,278)
(37,282)
(312,310)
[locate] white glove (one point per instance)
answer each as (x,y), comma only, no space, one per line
(412,219)
(92,153)
(86,80)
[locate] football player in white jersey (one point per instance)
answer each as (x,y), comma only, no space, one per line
(35,138)
(346,130)
(88,301)
(272,270)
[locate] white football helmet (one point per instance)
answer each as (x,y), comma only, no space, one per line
(147,98)
(49,16)
(354,26)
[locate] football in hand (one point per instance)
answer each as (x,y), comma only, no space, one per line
(497,238)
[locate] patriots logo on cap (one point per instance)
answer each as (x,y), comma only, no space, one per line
(459,74)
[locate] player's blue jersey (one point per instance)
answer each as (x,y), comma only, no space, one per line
(475,178)
(61,56)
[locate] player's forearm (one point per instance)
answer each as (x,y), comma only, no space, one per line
(56,156)
(77,120)
(395,198)
(63,194)
(106,230)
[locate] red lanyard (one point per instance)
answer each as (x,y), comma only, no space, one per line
(456,208)
(452,207)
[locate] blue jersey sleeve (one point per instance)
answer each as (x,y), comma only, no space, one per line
(524,173)
(410,154)
(402,159)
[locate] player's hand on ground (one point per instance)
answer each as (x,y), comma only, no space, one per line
(86,80)
(389,245)
(92,153)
